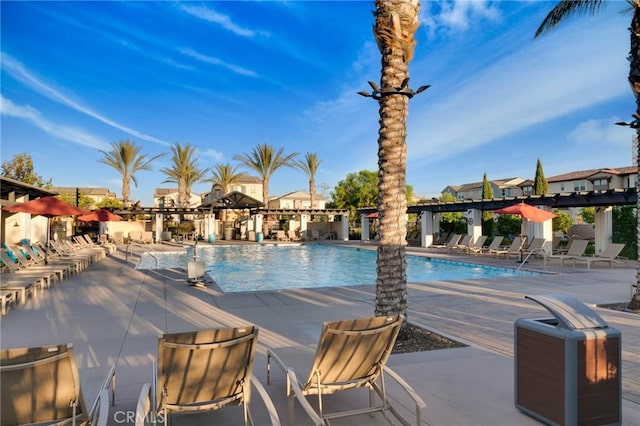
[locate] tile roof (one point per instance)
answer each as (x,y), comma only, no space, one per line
(584,174)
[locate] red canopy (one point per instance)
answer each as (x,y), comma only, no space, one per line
(46,206)
(99,216)
(528,212)
(373,215)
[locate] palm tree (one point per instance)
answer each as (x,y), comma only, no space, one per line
(224,175)
(310,167)
(125,157)
(395,25)
(265,160)
(184,171)
(568,8)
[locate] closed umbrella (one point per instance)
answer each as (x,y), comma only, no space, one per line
(528,212)
(48,207)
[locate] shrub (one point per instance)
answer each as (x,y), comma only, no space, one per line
(624,230)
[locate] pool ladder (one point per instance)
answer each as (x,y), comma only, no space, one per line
(146,250)
(532,252)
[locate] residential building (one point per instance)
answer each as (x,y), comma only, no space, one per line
(96,194)
(594,180)
(248,185)
(168,197)
(510,187)
(297,200)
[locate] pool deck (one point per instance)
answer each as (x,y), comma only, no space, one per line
(114,314)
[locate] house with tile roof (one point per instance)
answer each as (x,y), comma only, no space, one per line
(297,200)
(594,180)
(510,187)
(95,193)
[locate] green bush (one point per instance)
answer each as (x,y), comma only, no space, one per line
(562,222)
(624,230)
(509,225)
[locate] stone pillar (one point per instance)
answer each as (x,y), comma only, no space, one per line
(345,227)
(474,223)
(539,230)
(210,226)
(159,223)
(364,226)
(258,224)
(604,228)
(427,226)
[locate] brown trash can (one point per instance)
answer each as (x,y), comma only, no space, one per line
(567,368)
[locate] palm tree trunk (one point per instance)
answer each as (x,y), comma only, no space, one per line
(634,81)
(126,190)
(395,26)
(312,193)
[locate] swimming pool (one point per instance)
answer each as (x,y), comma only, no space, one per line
(274,267)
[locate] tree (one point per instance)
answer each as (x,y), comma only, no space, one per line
(109,203)
(310,167)
(540,185)
(20,168)
(83,201)
(355,191)
(454,221)
(265,160)
(562,222)
(588,215)
(125,157)
(184,171)
(568,8)
(224,175)
(487,217)
(394,30)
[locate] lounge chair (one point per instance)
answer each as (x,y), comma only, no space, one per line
(135,236)
(475,246)
(455,238)
(609,255)
(494,245)
(350,354)
(315,235)
(291,234)
(513,250)
(463,245)
(203,371)
(576,249)
(147,237)
(42,384)
(535,248)
(50,271)
(6,297)
(118,237)
(281,236)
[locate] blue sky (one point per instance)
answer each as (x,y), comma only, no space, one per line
(226,76)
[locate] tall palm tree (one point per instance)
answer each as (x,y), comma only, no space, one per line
(310,167)
(224,175)
(184,171)
(568,8)
(125,157)
(395,25)
(265,160)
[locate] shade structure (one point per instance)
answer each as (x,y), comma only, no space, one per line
(48,207)
(528,212)
(99,216)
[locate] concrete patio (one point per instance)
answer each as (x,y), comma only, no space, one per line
(114,314)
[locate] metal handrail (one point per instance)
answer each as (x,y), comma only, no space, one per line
(544,254)
(146,250)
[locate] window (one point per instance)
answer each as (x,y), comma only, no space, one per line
(580,185)
(600,185)
(562,187)
(527,190)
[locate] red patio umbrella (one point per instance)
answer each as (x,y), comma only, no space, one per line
(48,207)
(373,215)
(99,216)
(528,212)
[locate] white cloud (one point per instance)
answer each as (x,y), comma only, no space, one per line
(217,18)
(456,15)
(20,73)
(602,131)
(215,61)
(8,108)
(215,155)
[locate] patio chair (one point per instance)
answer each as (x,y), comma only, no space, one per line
(535,248)
(475,246)
(463,245)
(453,240)
(203,371)
(609,255)
(513,250)
(291,234)
(281,236)
(118,237)
(351,354)
(576,249)
(42,384)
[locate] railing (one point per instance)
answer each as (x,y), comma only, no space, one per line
(536,250)
(146,250)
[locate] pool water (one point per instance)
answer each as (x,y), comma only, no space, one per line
(274,267)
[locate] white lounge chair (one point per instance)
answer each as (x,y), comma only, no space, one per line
(608,255)
(576,249)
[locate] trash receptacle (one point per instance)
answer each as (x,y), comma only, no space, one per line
(228,233)
(567,368)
